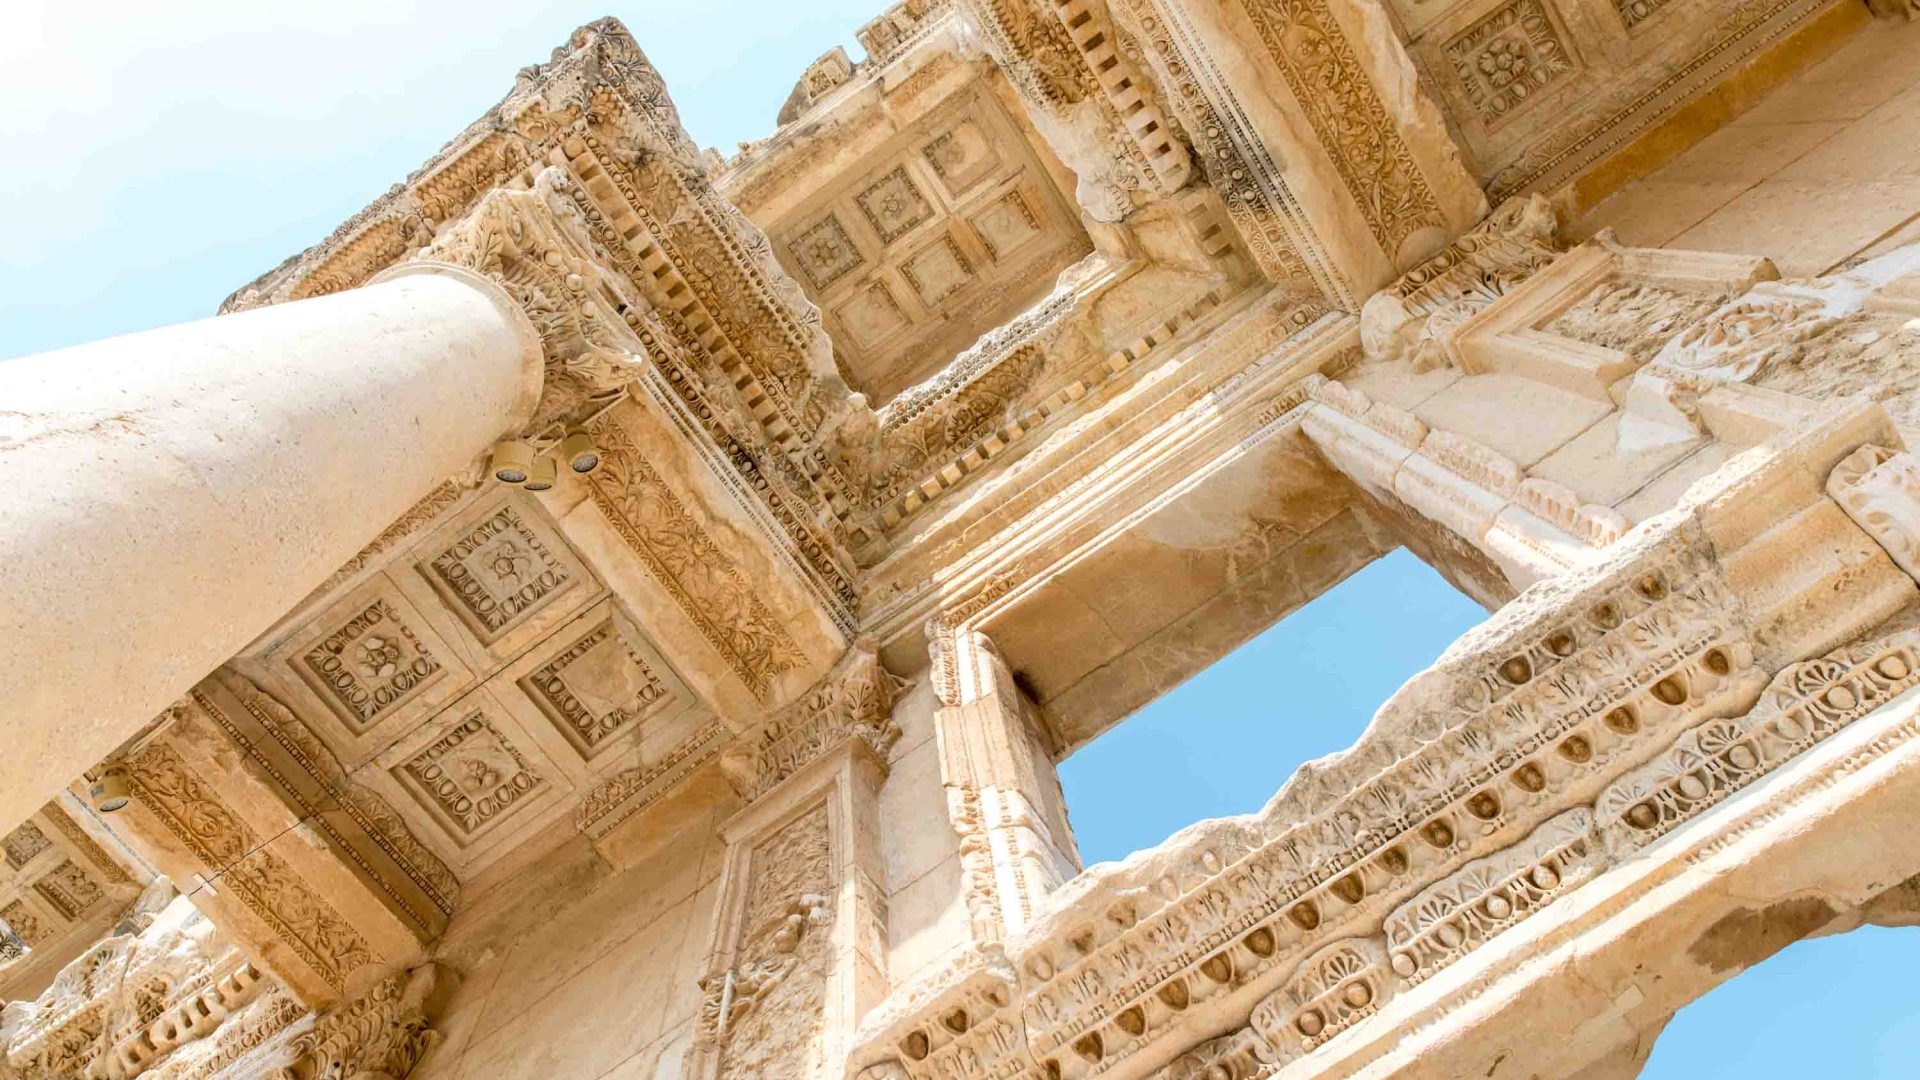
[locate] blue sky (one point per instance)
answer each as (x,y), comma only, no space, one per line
(162,155)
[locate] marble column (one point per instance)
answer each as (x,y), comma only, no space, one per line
(170,495)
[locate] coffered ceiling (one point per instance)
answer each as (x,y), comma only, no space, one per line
(915,250)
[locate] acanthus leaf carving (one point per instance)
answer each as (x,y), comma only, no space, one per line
(1412,320)
(853,701)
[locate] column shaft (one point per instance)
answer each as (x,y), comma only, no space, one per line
(169,495)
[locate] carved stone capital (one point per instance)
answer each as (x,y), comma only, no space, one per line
(1413,318)
(1880,490)
(535,245)
(853,701)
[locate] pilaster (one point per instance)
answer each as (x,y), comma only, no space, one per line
(1003,795)
(799,945)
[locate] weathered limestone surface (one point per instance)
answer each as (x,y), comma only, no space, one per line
(191,484)
(1040,357)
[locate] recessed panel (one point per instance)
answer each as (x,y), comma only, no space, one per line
(825,252)
(873,315)
(937,271)
(596,688)
(473,775)
(1007,225)
(960,156)
(499,571)
(371,662)
(893,205)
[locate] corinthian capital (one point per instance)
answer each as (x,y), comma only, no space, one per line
(536,244)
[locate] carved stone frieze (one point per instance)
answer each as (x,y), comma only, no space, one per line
(1543,716)
(1310,50)
(633,790)
(1803,705)
(657,526)
(262,881)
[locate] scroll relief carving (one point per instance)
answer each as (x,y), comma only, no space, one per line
(1311,52)
(1880,490)
(762,1015)
(205,826)
(657,526)
(363,807)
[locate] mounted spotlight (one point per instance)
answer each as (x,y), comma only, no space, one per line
(540,477)
(112,791)
(578,451)
(512,460)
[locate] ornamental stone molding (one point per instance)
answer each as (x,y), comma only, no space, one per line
(1043,354)
(169,997)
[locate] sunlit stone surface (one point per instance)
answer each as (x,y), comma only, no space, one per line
(1038,358)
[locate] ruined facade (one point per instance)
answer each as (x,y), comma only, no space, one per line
(1035,361)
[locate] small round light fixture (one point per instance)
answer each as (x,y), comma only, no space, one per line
(512,461)
(540,477)
(112,791)
(578,451)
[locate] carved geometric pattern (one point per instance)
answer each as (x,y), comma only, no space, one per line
(937,271)
(1309,49)
(371,664)
(893,205)
(473,773)
(826,253)
(69,890)
(24,843)
(1509,57)
(596,688)
(24,923)
(712,592)
(499,572)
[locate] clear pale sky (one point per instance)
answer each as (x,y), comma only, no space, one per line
(161,155)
